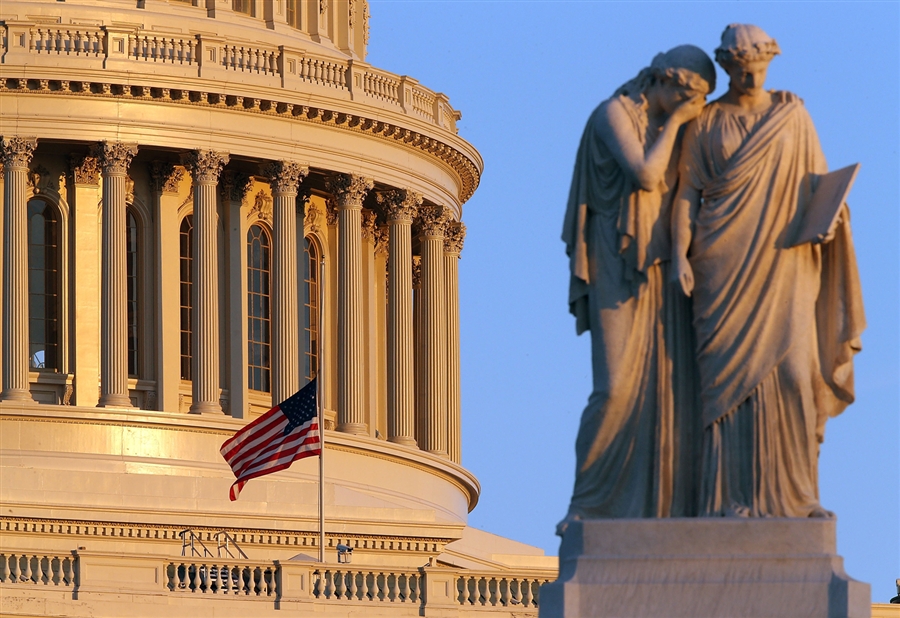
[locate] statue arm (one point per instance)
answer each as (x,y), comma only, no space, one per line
(684,212)
(648,169)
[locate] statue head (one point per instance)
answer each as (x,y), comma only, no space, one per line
(682,72)
(745,43)
(745,53)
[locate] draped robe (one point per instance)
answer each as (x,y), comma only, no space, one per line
(776,326)
(635,450)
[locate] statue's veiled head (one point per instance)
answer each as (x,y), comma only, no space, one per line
(745,53)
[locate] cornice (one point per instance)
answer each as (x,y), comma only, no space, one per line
(245,537)
(373,125)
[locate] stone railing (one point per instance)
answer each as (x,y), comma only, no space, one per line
(493,590)
(38,568)
(284,584)
(114,48)
(236,577)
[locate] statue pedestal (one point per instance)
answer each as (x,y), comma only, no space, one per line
(703,568)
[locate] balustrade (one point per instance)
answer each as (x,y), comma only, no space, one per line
(35,568)
(66,41)
(236,578)
(482,590)
(250,59)
(382,85)
(153,48)
(366,585)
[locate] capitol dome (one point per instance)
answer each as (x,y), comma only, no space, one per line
(188,187)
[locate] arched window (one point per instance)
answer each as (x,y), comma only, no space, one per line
(43,284)
(311,309)
(131,267)
(293,13)
(186,246)
(259,295)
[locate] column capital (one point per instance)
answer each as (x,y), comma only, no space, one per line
(416,271)
(206,165)
(16,152)
(454,237)
(348,190)
(165,176)
(400,204)
(285,176)
(369,224)
(115,157)
(235,185)
(85,169)
(381,236)
(432,220)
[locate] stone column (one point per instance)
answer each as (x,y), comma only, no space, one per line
(234,188)
(114,159)
(16,153)
(454,235)
(433,344)
(348,192)
(400,208)
(205,167)
(285,177)
(166,178)
(86,278)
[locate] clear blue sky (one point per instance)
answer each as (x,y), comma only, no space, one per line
(526,75)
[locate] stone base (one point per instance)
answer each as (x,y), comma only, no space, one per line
(703,568)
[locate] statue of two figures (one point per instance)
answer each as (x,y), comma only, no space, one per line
(719,345)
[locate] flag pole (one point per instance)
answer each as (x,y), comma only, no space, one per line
(321,411)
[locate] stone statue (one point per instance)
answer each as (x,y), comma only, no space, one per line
(635,454)
(776,326)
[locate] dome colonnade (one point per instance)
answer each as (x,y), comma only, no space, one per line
(59,101)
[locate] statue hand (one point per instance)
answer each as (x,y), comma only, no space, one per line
(840,219)
(683,274)
(689,110)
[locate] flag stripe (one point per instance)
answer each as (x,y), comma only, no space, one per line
(272,442)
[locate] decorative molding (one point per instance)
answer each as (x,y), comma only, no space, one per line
(454,237)
(311,218)
(235,185)
(416,271)
(114,157)
(351,10)
(459,162)
(348,190)
(262,206)
(38,177)
(369,224)
(382,236)
(431,220)
(129,190)
(85,169)
(366,16)
(16,152)
(206,165)
(243,536)
(285,176)
(67,395)
(400,204)
(323,6)
(165,176)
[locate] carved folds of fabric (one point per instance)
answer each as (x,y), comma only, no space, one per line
(285,176)
(115,157)
(206,165)
(16,152)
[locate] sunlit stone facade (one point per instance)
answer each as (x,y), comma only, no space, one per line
(175,175)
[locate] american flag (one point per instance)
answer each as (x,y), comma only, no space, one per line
(284,434)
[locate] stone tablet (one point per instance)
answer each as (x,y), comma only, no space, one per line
(822,213)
